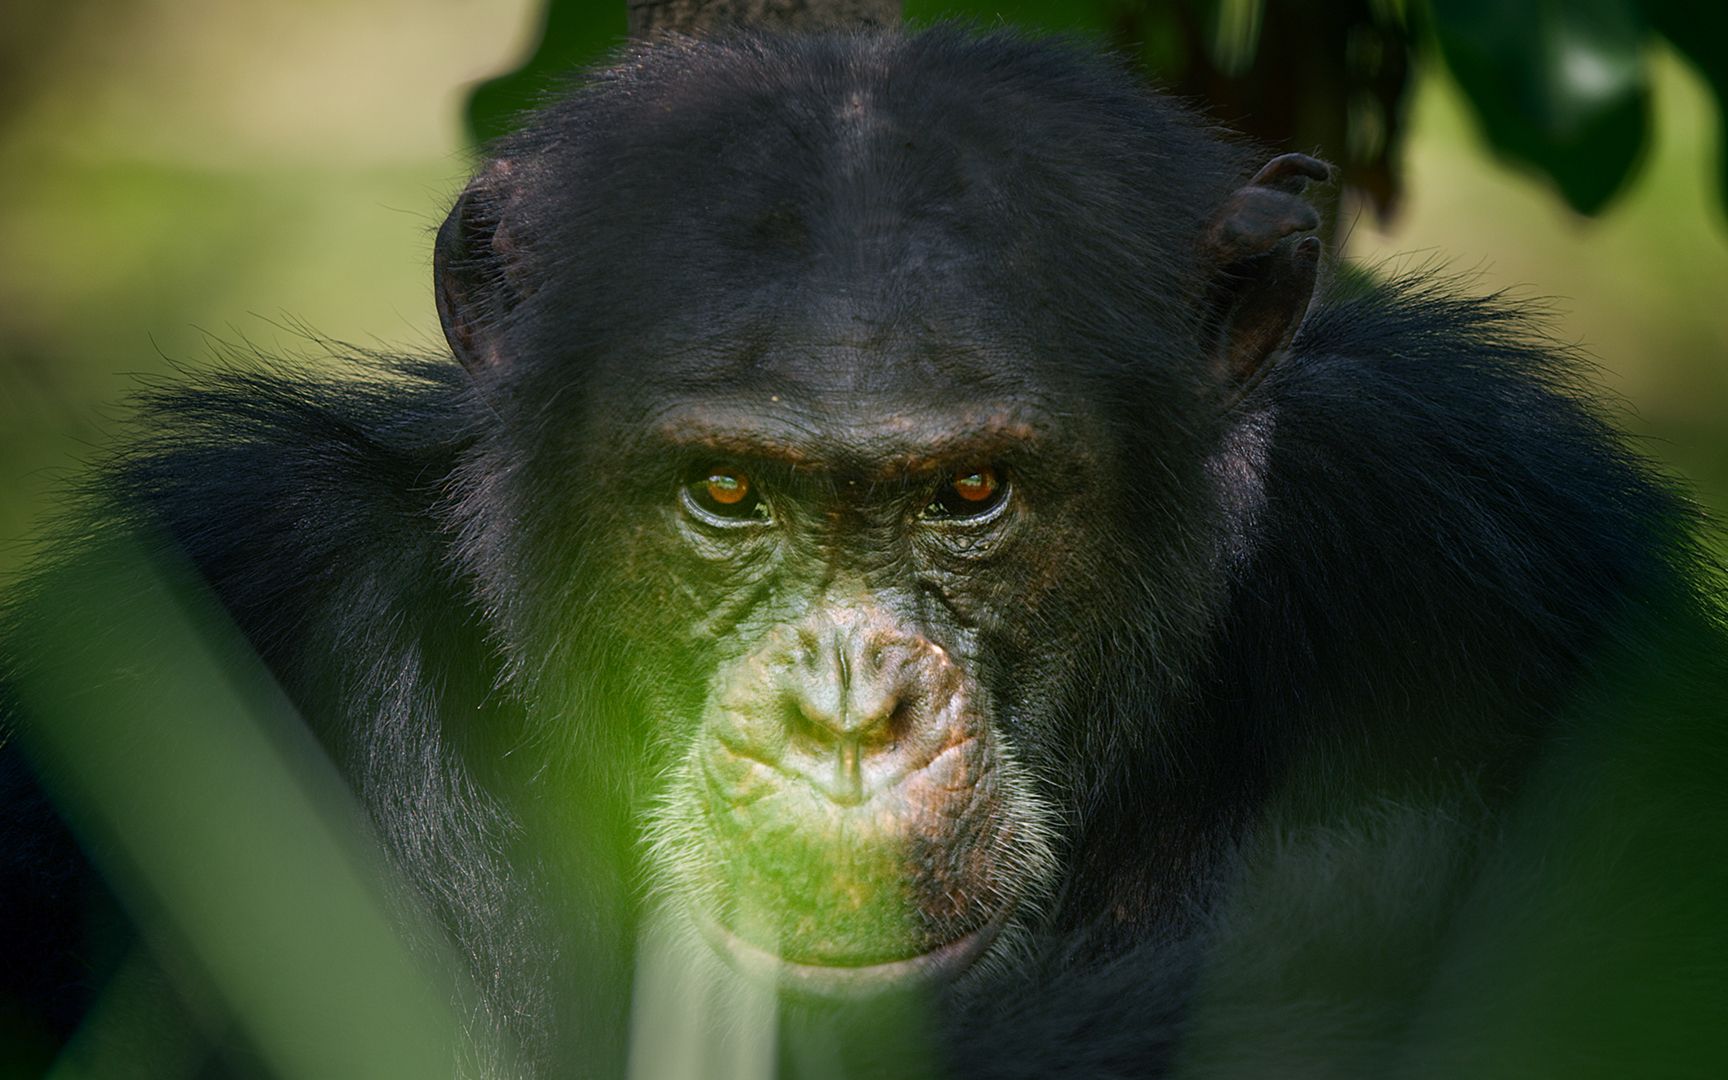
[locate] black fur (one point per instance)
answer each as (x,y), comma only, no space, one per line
(1425,778)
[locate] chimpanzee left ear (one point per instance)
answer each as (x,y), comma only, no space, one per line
(1263,269)
(477,270)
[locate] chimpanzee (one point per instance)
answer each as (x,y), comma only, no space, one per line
(918,524)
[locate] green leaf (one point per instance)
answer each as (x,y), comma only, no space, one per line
(577,33)
(1699,32)
(1559,85)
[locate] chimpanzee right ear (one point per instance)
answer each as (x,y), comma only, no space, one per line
(1262,267)
(476,268)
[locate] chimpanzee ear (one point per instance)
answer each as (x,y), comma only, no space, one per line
(1262,269)
(476,268)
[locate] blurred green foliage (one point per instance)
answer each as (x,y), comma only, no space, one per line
(1560,88)
(229,839)
(571,35)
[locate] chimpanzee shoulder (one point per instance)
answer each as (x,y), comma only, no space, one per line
(309,501)
(1442,470)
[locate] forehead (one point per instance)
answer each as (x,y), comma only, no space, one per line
(896,195)
(880,404)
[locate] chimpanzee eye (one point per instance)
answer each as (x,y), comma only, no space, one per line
(724,493)
(968,495)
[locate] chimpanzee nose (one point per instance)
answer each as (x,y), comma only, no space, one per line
(853,687)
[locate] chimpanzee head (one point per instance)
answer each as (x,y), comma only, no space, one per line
(860,454)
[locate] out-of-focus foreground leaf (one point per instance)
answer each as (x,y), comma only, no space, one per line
(227,835)
(1558,86)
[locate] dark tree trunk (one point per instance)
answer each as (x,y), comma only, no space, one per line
(698,16)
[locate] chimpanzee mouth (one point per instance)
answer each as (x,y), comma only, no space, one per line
(844,981)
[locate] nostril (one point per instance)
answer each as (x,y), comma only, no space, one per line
(806,727)
(870,713)
(875,655)
(858,680)
(807,646)
(900,721)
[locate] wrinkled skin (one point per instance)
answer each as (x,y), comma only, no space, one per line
(849,784)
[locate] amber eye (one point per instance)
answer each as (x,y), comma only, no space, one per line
(970,494)
(725,493)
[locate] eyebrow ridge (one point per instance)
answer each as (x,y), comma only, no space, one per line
(893,448)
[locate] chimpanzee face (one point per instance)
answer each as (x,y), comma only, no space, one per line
(861,584)
(841,492)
